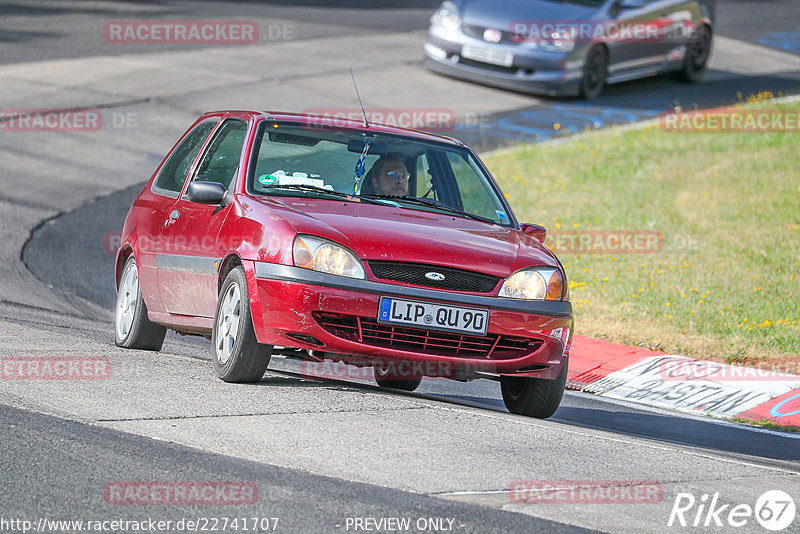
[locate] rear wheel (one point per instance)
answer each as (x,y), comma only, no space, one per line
(389,379)
(698,53)
(595,72)
(534,397)
(236,353)
(132,328)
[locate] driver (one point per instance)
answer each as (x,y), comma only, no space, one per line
(388,176)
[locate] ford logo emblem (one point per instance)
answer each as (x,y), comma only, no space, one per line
(437,277)
(492,36)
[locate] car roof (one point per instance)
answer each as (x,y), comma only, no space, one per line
(338,122)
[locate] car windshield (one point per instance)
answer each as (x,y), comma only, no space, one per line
(328,163)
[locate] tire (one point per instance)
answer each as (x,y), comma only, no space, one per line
(238,357)
(595,72)
(534,397)
(385,379)
(132,328)
(698,52)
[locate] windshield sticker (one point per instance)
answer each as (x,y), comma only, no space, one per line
(502,215)
(267,179)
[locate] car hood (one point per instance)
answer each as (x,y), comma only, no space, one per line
(491,14)
(387,233)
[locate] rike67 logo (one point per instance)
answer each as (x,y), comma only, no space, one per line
(774,510)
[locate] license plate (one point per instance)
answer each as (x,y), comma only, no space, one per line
(431,316)
(487,55)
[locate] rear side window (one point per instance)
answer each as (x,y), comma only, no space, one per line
(174,172)
(221,161)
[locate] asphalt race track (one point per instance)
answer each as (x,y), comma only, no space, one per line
(321,453)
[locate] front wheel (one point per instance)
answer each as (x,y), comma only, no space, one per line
(534,397)
(389,379)
(132,328)
(236,353)
(595,72)
(698,53)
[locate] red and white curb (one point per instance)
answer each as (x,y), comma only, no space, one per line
(679,383)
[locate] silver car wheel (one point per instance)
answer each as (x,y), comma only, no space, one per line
(228,323)
(127,301)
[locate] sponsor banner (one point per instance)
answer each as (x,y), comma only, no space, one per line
(783,409)
(55,368)
(643,382)
(732,120)
(180,493)
(585,492)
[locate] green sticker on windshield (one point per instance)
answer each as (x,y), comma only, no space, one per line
(267,179)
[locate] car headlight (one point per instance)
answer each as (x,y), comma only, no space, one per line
(325,256)
(534,284)
(446,16)
(557,41)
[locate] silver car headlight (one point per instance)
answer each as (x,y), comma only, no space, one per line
(534,284)
(446,16)
(317,254)
(557,41)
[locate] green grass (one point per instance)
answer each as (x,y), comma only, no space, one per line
(766,423)
(725,286)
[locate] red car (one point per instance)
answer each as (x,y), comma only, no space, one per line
(334,239)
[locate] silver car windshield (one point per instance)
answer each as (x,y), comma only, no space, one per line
(311,161)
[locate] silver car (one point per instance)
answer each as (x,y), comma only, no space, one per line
(569,47)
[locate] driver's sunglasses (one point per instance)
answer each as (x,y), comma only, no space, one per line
(398,175)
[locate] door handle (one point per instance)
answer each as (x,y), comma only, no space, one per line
(173,216)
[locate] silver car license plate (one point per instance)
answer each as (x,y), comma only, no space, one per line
(487,55)
(432,316)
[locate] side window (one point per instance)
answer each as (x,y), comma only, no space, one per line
(424,183)
(221,161)
(474,188)
(173,173)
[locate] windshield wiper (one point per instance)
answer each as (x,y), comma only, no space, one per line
(315,189)
(433,204)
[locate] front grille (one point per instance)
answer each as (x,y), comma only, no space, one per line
(476,31)
(373,333)
(488,66)
(414,273)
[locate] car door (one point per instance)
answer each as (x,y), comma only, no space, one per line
(157,203)
(187,274)
(635,36)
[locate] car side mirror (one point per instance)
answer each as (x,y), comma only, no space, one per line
(534,230)
(206,192)
(631,4)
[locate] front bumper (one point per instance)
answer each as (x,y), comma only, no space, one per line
(532,71)
(296,307)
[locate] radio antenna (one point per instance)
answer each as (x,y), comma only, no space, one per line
(364,113)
